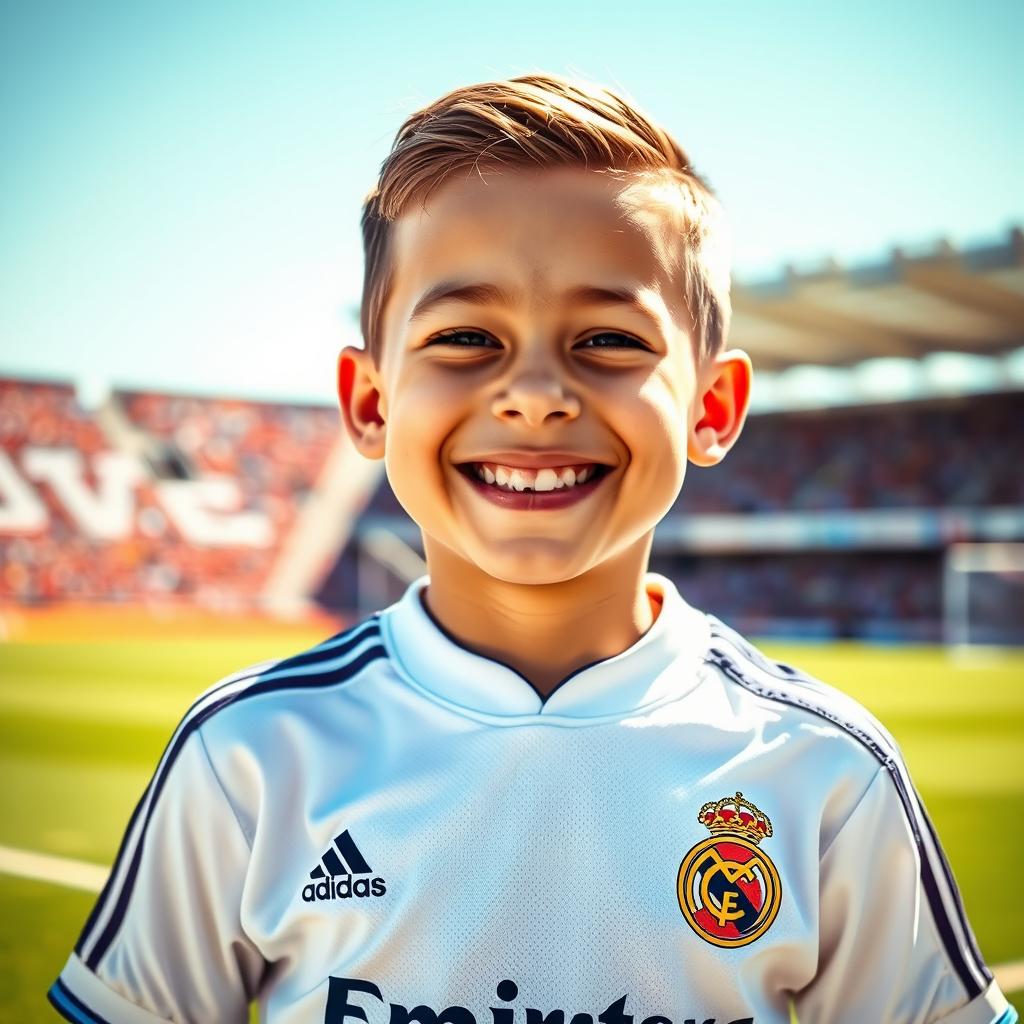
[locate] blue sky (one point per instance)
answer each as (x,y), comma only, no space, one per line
(181,183)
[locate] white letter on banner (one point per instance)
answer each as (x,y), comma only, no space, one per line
(106,512)
(205,511)
(21,509)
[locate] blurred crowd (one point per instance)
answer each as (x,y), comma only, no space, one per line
(274,452)
(960,452)
(46,414)
(867,595)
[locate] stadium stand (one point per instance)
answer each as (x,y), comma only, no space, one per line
(964,451)
(849,595)
(42,554)
(275,451)
(83,520)
(45,413)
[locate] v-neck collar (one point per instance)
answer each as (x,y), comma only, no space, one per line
(661,664)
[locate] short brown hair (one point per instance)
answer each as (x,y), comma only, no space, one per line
(550,121)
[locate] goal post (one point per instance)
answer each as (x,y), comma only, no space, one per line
(983,594)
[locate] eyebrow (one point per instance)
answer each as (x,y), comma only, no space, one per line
(589,295)
(455,291)
(483,294)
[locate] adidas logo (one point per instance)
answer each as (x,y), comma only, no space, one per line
(334,877)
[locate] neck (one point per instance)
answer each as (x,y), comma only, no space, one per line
(543,631)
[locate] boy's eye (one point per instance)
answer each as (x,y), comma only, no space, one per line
(458,337)
(599,341)
(462,338)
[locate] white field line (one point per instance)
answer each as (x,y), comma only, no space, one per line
(1010,976)
(78,874)
(42,867)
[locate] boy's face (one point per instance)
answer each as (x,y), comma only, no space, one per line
(550,367)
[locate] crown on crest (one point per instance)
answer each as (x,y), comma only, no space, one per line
(737,815)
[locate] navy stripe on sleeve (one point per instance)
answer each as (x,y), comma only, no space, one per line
(953,888)
(109,883)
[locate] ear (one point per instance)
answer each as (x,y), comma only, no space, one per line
(723,395)
(363,407)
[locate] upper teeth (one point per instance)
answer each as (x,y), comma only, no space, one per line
(519,479)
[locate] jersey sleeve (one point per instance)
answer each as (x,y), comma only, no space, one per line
(894,942)
(165,939)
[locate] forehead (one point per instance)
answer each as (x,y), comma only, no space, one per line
(539,233)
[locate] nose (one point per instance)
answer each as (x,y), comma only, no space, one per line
(534,396)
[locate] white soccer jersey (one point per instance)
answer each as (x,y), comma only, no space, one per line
(391,828)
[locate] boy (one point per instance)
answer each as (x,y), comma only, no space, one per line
(540,786)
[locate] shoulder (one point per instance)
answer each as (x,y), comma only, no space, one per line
(800,698)
(831,738)
(296,683)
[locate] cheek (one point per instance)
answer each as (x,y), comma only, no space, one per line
(420,423)
(655,429)
(435,395)
(423,409)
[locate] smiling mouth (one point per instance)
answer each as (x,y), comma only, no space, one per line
(514,479)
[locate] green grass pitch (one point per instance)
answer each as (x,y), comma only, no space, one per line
(82,725)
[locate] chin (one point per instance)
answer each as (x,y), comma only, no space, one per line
(532,568)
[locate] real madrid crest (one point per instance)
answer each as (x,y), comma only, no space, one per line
(728,888)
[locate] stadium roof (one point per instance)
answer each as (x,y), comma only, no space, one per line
(908,305)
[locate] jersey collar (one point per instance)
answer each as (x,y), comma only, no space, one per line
(661,665)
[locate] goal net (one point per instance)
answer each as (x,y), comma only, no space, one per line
(983,594)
